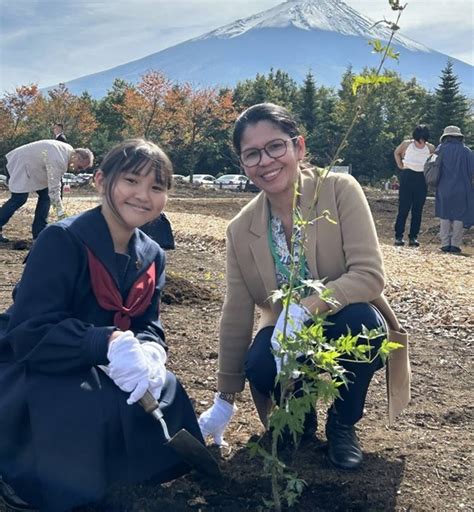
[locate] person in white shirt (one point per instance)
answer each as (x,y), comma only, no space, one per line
(38,167)
(410,157)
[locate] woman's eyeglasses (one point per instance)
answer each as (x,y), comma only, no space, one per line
(274,149)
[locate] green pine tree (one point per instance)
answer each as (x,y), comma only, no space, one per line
(451,107)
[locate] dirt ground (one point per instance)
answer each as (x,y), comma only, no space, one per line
(423,463)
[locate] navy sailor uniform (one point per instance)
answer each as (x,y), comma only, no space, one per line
(66,431)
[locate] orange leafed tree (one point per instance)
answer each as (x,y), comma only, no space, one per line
(74,112)
(16,110)
(144,107)
(198,115)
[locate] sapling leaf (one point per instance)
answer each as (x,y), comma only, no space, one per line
(377,46)
(387,347)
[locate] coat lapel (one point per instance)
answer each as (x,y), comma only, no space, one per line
(309,213)
(259,245)
(259,228)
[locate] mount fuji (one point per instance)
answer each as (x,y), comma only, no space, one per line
(324,36)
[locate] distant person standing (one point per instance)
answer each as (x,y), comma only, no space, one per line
(38,167)
(410,157)
(58,130)
(454,191)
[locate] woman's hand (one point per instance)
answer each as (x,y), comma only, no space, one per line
(214,421)
(297,316)
(314,304)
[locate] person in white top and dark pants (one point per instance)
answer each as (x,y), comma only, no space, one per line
(410,157)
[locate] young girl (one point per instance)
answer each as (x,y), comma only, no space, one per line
(84,342)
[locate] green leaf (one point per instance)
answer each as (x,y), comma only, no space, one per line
(377,46)
(393,54)
(367,80)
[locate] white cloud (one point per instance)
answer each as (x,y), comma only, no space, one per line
(49,41)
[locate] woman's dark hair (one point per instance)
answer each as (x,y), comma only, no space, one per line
(135,156)
(275,114)
(421,132)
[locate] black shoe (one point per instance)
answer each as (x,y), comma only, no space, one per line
(3,239)
(413,242)
(399,242)
(343,446)
(455,250)
(446,248)
(11,499)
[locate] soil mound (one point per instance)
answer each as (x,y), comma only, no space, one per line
(179,290)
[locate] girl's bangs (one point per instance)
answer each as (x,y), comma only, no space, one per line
(144,166)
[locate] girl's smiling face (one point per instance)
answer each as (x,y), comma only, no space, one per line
(273,175)
(137,199)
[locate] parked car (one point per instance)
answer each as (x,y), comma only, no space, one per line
(231,182)
(251,187)
(77,180)
(71,179)
(85,176)
(179,178)
(201,180)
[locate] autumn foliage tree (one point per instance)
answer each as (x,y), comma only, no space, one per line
(201,118)
(27,115)
(144,107)
(73,112)
(194,124)
(16,110)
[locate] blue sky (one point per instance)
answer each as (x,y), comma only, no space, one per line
(51,41)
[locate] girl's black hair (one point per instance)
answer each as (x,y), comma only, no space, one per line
(135,156)
(275,114)
(421,132)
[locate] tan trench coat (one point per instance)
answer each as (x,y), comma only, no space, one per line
(346,254)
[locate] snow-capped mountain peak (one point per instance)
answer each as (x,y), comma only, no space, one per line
(329,15)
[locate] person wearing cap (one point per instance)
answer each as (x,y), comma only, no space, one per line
(410,157)
(454,192)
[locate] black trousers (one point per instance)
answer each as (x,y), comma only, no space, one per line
(17,200)
(260,368)
(411,196)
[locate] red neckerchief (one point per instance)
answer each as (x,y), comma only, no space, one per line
(109,297)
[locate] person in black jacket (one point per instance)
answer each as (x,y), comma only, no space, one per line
(58,131)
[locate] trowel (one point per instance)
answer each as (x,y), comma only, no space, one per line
(191,450)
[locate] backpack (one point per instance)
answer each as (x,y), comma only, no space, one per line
(432,169)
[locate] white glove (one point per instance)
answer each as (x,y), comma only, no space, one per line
(156,358)
(60,213)
(297,316)
(214,421)
(128,366)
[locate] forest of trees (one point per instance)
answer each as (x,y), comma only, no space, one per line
(194,125)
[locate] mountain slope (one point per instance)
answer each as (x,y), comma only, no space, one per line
(298,35)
